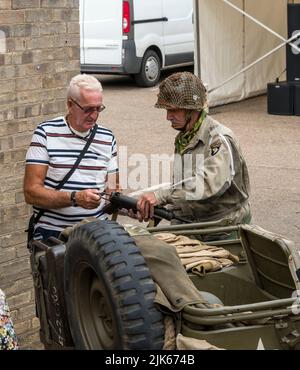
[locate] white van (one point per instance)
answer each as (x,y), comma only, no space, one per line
(136,37)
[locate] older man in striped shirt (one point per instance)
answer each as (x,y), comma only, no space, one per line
(55,146)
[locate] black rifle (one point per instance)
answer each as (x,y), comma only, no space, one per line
(118,201)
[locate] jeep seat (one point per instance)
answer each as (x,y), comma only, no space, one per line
(273,259)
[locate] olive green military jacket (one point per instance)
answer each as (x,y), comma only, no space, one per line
(210,178)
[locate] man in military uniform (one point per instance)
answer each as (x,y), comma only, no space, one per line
(210,180)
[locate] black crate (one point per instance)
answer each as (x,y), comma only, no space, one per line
(297,100)
(281,98)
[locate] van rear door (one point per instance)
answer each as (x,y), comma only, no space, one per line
(101,32)
(178,32)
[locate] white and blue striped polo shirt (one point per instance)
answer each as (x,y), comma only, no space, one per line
(56,146)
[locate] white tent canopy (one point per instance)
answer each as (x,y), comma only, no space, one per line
(231,35)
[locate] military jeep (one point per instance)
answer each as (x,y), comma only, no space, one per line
(95,291)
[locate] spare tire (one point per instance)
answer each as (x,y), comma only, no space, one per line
(109,291)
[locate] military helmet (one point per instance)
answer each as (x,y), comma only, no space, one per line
(182,90)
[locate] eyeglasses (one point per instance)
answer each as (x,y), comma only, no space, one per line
(89,110)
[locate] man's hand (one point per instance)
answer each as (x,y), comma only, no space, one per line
(88,198)
(132,214)
(145,206)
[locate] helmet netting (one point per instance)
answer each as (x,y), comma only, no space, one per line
(182,90)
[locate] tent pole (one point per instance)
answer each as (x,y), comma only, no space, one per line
(255,62)
(260,23)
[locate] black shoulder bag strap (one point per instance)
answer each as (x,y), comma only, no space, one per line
(34,220)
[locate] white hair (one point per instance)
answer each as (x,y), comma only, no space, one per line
(82,81)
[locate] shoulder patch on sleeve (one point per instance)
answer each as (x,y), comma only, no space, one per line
(215,147)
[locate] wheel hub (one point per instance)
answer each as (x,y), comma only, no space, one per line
(93,308)
(151,69)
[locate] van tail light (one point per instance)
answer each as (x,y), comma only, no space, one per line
(126,17)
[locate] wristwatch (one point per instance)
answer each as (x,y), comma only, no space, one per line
(73,199)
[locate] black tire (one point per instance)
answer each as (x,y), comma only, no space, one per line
(109,291)
(150,70)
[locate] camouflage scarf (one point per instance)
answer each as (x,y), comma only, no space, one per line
(184,138)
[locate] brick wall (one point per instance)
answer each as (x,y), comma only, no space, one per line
(39,53)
